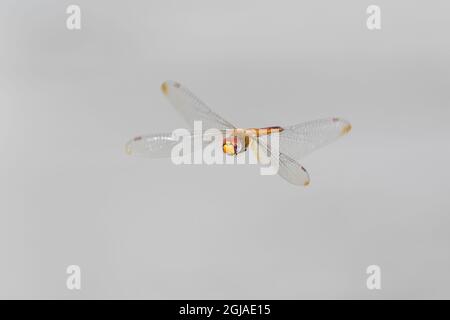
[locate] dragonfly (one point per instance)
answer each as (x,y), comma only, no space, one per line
(295,141)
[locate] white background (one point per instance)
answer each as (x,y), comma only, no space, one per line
(139,228)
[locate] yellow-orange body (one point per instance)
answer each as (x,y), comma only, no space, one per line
(238,140)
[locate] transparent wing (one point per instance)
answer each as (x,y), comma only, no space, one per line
(153,146)
(299,140)
(289,169)
(192,108)
(293,172)
(160,145)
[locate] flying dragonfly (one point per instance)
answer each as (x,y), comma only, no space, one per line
(295,141)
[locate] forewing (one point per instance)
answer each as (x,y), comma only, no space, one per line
(160,145)
(299,140)
(192,108)
(152,146)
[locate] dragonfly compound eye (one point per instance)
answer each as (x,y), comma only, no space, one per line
(228,148)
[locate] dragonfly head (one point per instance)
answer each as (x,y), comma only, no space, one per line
(234,145)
